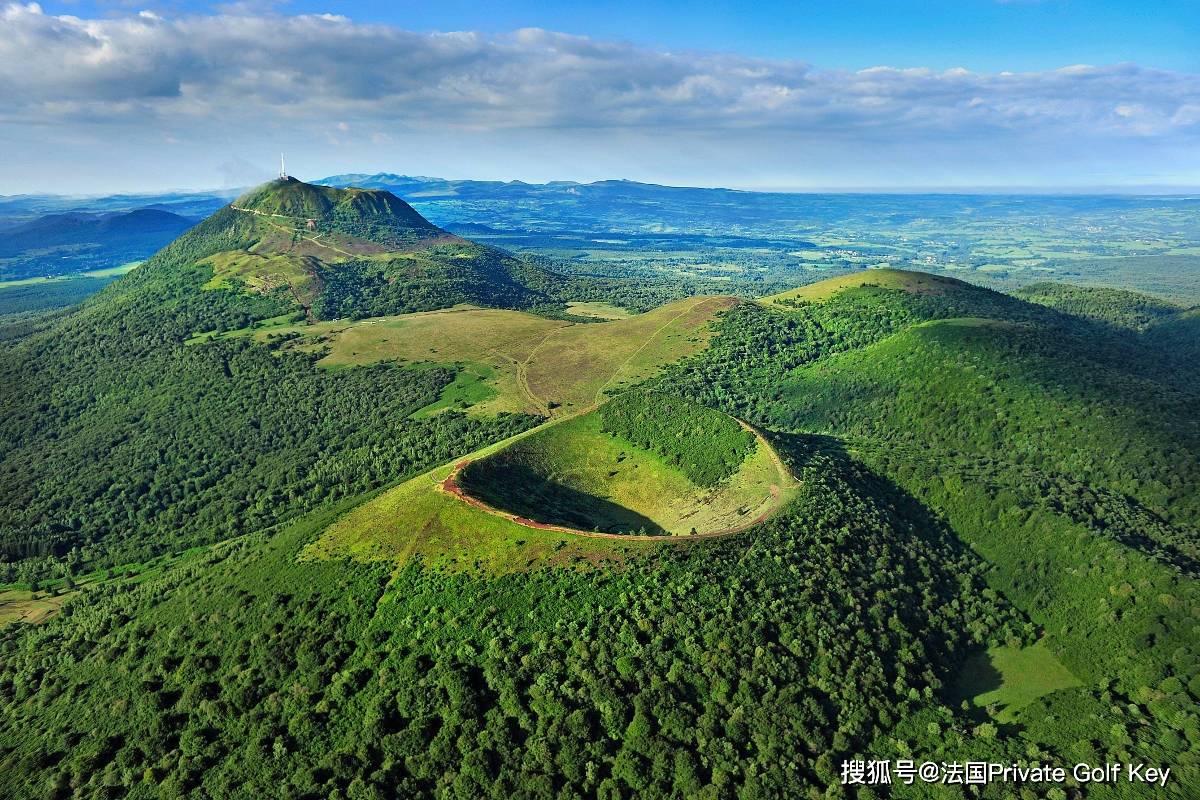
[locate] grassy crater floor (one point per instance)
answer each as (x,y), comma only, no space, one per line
(577,476)
(419,519)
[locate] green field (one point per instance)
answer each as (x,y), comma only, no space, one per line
(1010,678)
(262,272)
(915,282)
(30,608)
(534,364)
(575,475)
(109,272)
(469,388)
(597,310)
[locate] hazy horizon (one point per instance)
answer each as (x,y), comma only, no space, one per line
(1152,190)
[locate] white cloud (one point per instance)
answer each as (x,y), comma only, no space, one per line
(321,67)
(347,96)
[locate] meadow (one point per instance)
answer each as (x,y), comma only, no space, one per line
(533,364)
(1001,681)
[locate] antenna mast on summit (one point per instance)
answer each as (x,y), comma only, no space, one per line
(282,172)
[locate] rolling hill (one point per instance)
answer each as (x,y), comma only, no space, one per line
(285,250)
(271,577)
(57,244)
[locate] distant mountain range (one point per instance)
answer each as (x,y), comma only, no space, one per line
(426,187)
(75,241)
(129,229)
(997,239)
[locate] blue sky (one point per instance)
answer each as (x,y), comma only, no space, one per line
(973,93)
(976,34)
(990,35)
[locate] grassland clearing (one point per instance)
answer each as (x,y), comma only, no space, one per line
(113,272)
(537,364)
(598,310)
(915,282)
(470,388)
(263,272)
(1010,678)
(575,366)
(40,279)
(32,608)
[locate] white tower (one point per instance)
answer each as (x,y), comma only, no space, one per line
(282,172)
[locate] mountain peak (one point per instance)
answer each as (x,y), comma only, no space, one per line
(289,197)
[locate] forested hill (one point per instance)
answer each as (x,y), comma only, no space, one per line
(979,479)
(1171,331)
(369,214)
(1120,307)
(1061,446)
(125,441)
(123,232)
(291,247)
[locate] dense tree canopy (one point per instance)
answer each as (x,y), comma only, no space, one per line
(706,445)
(974,470)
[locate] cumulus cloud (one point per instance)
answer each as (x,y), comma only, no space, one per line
(327,67)
(175,100)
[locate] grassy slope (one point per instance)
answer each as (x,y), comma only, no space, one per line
(597,310)
(917,282)
(417,519)
(17,605)
(262,273)
(536,361)
(576,366)
(1012,678)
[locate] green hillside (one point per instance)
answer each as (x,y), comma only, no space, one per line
(692,671)
(252,577)
(912,282)
(363,212)
(1121,307)
(187,445)
(1066,454)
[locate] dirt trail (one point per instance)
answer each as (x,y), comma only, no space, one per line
(311,239)
(645,344)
